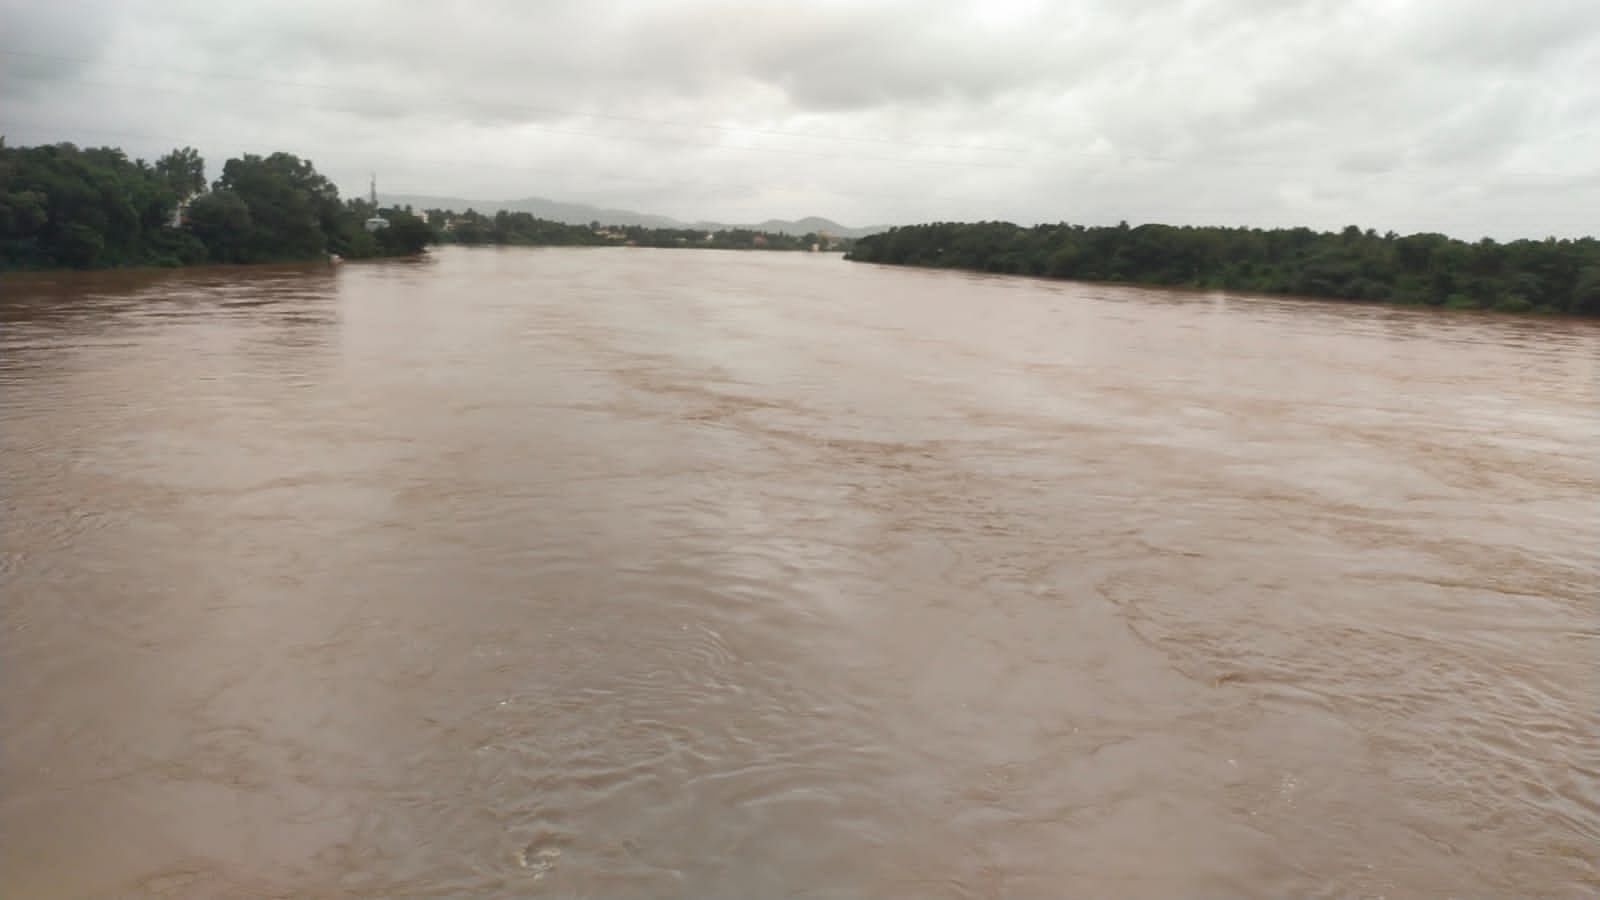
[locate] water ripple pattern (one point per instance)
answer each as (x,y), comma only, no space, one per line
(631,574)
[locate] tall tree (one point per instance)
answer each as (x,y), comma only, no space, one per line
(289,202)
(183,172)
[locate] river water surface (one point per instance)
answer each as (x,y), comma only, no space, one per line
(628,573)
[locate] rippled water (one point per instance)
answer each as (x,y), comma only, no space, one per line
(615,573)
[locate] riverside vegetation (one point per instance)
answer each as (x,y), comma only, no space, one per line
(1547,275)
(62,206)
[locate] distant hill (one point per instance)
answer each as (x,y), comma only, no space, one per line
(808,224)
(583,214)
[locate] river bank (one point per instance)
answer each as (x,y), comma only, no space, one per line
(1550,275)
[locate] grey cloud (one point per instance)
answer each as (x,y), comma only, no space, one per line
(1399,113)
(49,42)
(1485,129)
(1522,36)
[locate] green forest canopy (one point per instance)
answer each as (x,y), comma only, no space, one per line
(66,207)
(1547,275)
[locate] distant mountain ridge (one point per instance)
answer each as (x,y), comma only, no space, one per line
(583,214)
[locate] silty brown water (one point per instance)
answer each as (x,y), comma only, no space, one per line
(626,573)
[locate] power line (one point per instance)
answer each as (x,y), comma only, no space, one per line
(411,161)
(1171,215)
(547,110)
(689,188)
(590,134)
(1037,156)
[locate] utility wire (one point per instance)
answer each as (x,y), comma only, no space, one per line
(1082,158)
(410,162)
(590,134)
(1175,216)
(544,110)
(1171,215)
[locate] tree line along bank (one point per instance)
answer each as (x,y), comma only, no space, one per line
(1548,275)
(65,207)
(62,206)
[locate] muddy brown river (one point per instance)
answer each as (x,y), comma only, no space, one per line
(631,574)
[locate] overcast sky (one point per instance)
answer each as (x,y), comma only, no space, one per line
(1472,118)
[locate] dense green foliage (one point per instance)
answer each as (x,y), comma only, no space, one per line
(62,206)
(1545,275)
(521,228)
